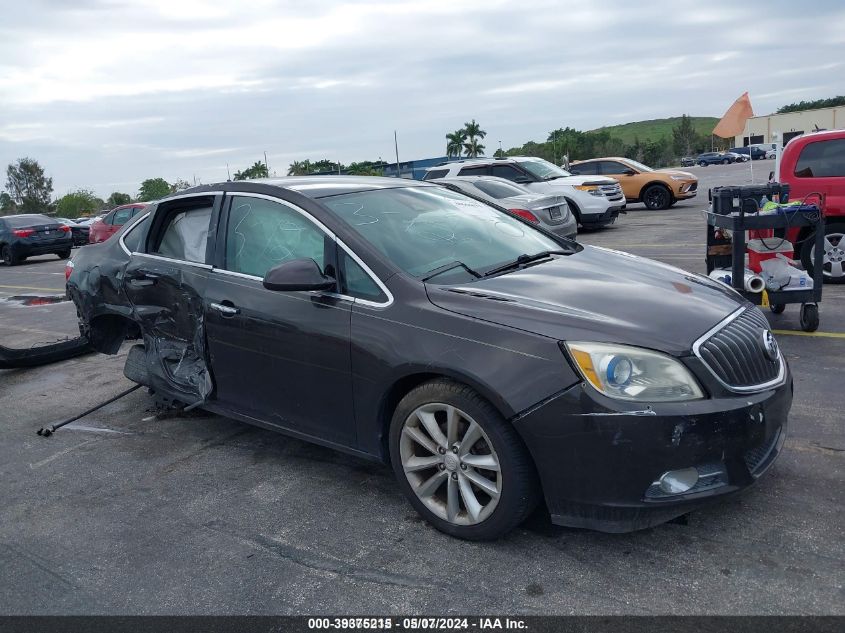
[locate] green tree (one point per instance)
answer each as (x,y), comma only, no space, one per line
(28,187)
(366,168)
(7,205)
(474,133)
(180,185)
(812,105)
(326,165)
(153,189)
(455,143)
(684,136)
(300,168)
(258,170)
(75,203)
(116,199)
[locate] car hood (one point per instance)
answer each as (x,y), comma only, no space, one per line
(532,201)
(598,295)
(678,172)
(576,180)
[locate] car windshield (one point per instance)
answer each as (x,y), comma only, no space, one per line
(638,165)
(543,169)
(427,229)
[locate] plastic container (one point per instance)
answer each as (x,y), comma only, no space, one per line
(762,249)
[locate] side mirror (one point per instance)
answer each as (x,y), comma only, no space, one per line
(297,274)
(522,180)
(628,172)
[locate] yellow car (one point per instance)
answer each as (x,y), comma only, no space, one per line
(655,188)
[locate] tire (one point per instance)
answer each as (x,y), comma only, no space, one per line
(834,266)
(809,317)
(777,308)
(702,164)
(8,257)
(434,462)
(726,161)
(656,198)
(64,254)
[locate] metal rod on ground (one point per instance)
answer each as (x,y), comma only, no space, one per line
(47,431)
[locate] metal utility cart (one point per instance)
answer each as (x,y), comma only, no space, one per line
(723,252)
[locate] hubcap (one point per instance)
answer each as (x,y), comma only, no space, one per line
(450,464)
(833,261)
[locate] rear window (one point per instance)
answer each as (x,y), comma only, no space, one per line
(498,190)
(474,171)
(186,235)
(435,173)
(16,222)
(823,159)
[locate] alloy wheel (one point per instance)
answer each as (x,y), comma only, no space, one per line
(833,262)
(450,464)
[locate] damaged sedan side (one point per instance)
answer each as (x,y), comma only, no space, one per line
(479,355)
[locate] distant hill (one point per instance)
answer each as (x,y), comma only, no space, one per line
(654,129)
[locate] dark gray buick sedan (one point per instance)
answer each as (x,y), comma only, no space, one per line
(491,363)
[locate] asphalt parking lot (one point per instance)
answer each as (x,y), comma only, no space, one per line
(123,514)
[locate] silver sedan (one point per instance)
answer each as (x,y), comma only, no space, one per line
(550,212)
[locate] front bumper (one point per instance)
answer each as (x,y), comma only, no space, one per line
(599,459)
(607,217)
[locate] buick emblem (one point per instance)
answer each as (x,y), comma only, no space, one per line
(770,345)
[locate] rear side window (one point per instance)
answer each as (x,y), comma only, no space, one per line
(186,235)
(261,234)
(823,159)
(27,220)
(585,169)
(612,167)
(132,237)
(474,171)
(435,173)
(508,171)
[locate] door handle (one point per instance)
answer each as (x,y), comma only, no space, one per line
(225,310)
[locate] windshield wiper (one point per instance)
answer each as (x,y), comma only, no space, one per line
(447,267)
(524,259)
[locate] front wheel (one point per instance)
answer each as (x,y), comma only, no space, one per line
(726,162)
(777,308)
(833,261)
(702,164)
(657,198)
(64,254)
(460,463)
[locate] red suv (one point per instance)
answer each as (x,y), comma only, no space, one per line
(109,224)
(815,163)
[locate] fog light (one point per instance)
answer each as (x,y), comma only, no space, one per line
(675,482)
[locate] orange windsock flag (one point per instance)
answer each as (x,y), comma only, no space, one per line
(733,123)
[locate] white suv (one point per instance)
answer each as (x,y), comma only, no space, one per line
(594,200)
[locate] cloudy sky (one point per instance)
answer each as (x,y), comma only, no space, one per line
(107,93)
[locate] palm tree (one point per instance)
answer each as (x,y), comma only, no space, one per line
(455,143)
(473,149)
(474,133)
(300,168)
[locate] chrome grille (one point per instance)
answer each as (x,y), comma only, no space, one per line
(611,191)
(736,354)
(757,458)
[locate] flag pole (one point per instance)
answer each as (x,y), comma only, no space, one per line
(750,156)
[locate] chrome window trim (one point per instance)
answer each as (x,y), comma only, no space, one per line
(175,261)
(332,235)
(696,347)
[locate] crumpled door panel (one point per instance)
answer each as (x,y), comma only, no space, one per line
(167,303)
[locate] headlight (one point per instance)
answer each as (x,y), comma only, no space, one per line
(592,189)
(633,373)
(679,177)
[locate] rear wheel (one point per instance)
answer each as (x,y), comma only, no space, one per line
(702,164)
(833,261)
(462,466)
(656,198)
(8,257)
(809,317)
(64,254)
(726,161)
(777,308)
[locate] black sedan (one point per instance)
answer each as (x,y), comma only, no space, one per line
(754,152)
(25,235)
(490,362)
(714,158)
(78,231)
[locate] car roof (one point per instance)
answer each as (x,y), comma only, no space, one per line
(483,161)
(322,186)
(590,160)
(25,215)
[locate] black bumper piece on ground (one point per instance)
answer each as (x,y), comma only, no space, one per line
(599,463)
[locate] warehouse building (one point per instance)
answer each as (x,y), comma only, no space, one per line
(781,128)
